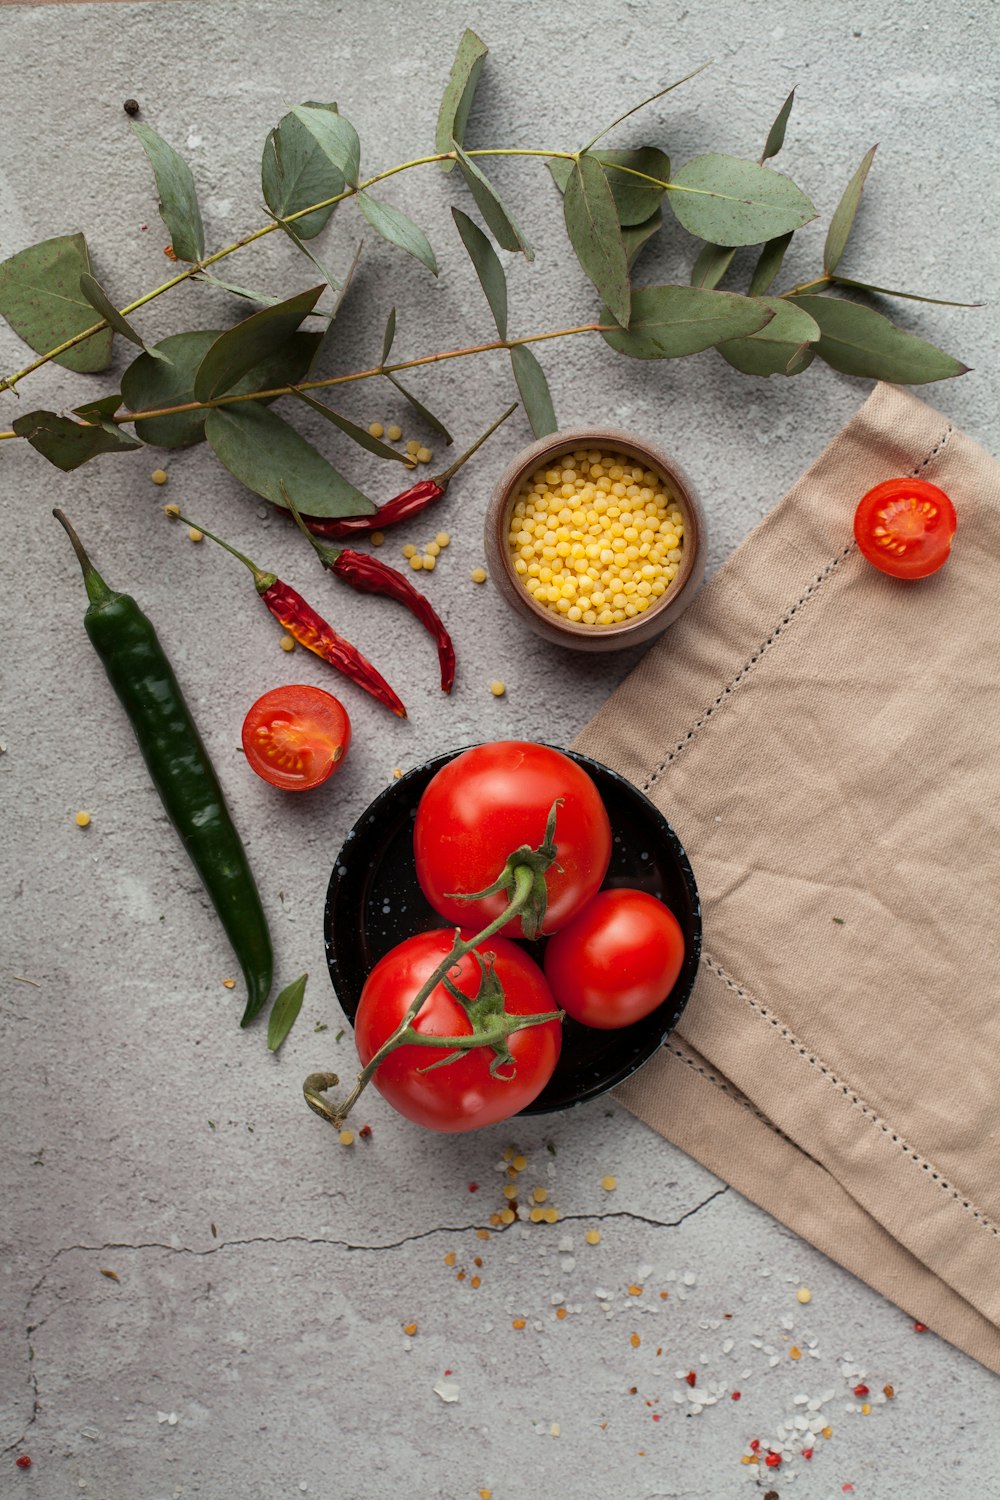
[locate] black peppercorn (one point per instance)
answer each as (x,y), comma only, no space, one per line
(131,106)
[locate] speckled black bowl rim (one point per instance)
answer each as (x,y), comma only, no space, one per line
(661,1021)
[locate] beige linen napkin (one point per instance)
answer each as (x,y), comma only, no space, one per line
(825,741)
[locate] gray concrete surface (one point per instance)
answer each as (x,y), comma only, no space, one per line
(251,1342)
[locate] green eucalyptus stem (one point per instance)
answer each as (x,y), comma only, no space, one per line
(405,1035)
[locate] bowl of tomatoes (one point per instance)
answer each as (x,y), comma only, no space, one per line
(617,946)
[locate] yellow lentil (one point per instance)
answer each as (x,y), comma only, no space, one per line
(82,819)
(795,1352)
(409,550)
(550,1215)
(539,1194)
(173,511)
(634,1291)
(478,575)
(346,1137)
(593,1236)
(376,429)
(866,1410)
(560,1313)
(635,1341)
(475,1282)
(609,1184)
(450,1258)
(416,562)
(519,1323)
(424,455)
(159,476)
(498,688)
(536,1215)
(287,643)
(409,1329)
(803,1295)
(377,538)
(195,535)
(510,1190)
(827,1432)
(443,538)
(432,549)
(519,1163)
(394,433)
(507,1216)
(429,562)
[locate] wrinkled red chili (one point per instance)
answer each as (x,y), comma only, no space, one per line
(410,503)
(307,627)
(369,575)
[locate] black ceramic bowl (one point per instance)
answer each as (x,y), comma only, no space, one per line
(374,901)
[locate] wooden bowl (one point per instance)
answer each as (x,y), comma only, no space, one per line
(545,622)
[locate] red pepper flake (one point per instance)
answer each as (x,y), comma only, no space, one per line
(920,1327)
(888,1392)
(736,1395)
(449,1372)
(773,1460)
(473,1187)
(656,1416)
(23,1461)
(691,1378)
(807,1453)
(847,1489)
(365,1132)
(861,1390)
(755,1445)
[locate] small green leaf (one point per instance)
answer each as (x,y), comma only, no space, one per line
(92,291)
(769,264)
(262,451)
(41,299)
(248,344)
(359,435)
(843,218)
(635,236)
(388,338)
(336,137)
(534,389)
(433,422)
(712,264)
(669,322)
(456,101)
(884,291)
(100,410)
(149,384)
(492,207)
(780,346)
(733,202)
(776,134)
(68,444)
(592,226)
(492,277)
(285,1012)
(393,225)
(178,196)
(858,341)
(635,199)
(295,171)
(262,299)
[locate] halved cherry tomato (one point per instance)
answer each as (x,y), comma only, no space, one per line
(617,960)
(296,736)
(904,527)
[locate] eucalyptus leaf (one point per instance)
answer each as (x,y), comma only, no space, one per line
(534,389)
(778,347)
(40,298)
(68,444)
(388,338)
(301,246)
(248,344)
(149,384)
(92,291)
(263,299)
(843,218)
(884,291)
(711,265)
(456,101)
(492,207)
(178,196)
(336,137)
(635,236)
(393,225)
(433,422)
(858,341)
(642,104)
(359,435)
(592,226)
(733,202)
(776,134)
(285,1012)
(342,291)
(492,277)
(101,410)
(671,321)
(635,199)
(769,264)
(295,172)
(263,452)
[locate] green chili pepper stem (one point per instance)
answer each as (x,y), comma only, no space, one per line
(97,590)
(327,555)
(262,580)
(449,473)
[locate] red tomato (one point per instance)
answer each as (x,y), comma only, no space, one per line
(296,736)
(905,526)
(617,961)
(489,801)
(461,1095)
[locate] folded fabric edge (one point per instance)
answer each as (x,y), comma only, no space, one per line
(700,1111)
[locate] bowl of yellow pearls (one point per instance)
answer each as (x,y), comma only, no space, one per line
(595,538)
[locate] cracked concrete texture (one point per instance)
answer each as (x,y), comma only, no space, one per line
(265,1275)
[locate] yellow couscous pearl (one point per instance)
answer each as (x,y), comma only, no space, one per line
(409,550)
(478,575)
(443,538)
(498,688)
(416,562)
(394,433)
(159,476)
(424,455)
(287,643)
(82,819)
(375,429)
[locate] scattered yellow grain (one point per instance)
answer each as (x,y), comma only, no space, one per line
(159,476)
(498,688)
(482,1234)
(519,1323)
(746,1459)
(476,1281)
(346,1137)
(609,1184)
(803,1295)
(664,1296)
(377,538)
(593,1236)
(509,1153)
(478,575)
(393,433)
(634,1291)
(866,1410)
(485,1495)
(82,819)
(409,1329)
(507,1216)
(443,538)
(413,447)
(375,429)
(827,1432)
(194,535)
(409,550)
(550,1215)
(173,511)
(424,455)
(888,1392)
(397,772)
(635,1340)
(519,1163)
(795,1352)
(229,984)
(536,1215)
(510,1190)
(539,1194)
(429,562)
(449,1259)
(495,1219)
(416,562)
(431,549)
(459,1275)
(287,643)
(560,1313)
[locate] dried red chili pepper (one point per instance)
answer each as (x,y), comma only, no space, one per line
(369,575)
(410,503)
(304,625)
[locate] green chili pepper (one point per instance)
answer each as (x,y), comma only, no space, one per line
(179,765)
